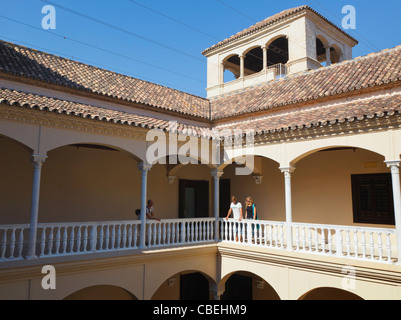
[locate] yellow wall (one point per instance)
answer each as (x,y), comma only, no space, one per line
(81,184)
(321,186)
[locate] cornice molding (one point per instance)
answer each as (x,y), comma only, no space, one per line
(365,271)
(62,121)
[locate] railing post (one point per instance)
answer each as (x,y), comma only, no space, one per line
(395,177)
(288,204)
(216,175)
(144,181)
(38,161)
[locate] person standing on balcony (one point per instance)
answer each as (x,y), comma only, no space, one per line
(150,211)
(236,210)
(251,214)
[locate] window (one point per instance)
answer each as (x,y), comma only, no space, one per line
(372,197)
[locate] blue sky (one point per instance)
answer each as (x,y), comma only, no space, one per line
(161,41)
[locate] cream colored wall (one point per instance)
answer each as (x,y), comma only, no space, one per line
(166,196)
(16,172)
(293,275)
(143,275)
(268,196)
(81,184)
(321,186)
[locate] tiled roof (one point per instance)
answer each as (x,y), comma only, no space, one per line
(316,116)
(43,103)
(364,72)
(293,91)
(268,22)
(37,65)
(292,119)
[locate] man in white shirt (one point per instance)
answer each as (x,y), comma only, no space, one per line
(236,210)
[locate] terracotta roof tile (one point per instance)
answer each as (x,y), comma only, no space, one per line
(322,115)
(30,63)
(268,22)
(292,119)
(373,70)
(43,103)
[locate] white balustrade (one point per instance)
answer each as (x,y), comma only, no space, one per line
(13,239)
(59,239)
(179,231)
(346,241)
(253,232)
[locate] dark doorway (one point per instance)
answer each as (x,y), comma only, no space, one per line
(238,287)
(194,286)
(193,199)
(224,198)
(372,197)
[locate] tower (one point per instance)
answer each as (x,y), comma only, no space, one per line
(290,42)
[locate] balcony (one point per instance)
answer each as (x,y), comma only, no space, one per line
(272,73)
(88,238)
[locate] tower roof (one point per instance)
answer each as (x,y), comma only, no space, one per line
(269,22)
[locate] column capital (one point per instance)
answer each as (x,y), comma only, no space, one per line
(170,179)
(216,173)
(144,166)
(289,169)
(38,160)
(392,163)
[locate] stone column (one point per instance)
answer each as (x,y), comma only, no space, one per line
(144,182)
(395,176)
(216,175)
(328,60)
(242,66)
(37,161)
(264,58)
(288,204)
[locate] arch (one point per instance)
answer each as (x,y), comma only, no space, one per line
(329,293)
(261,289)
(18,141)
(232,64)
(278,50)
(99,145)
(247,50)
(335,54)
(271,40)
(253,62)
(301,154)
(101,292)
(89,182)
(171,279)
(323,39)
(251,165)
(16,171)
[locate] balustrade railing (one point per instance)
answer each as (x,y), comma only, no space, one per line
(58,239)
(253,232)
(346,241)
